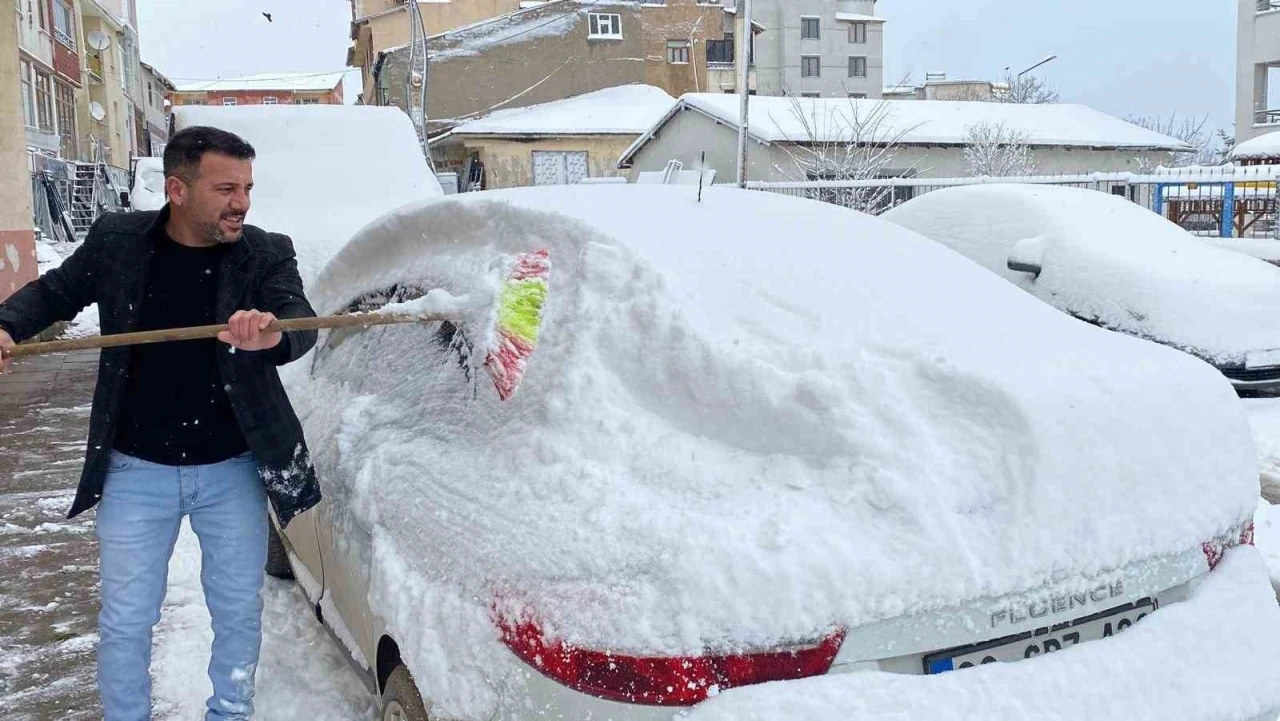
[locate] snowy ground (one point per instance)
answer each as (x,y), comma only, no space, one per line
(301,676)
(49,255)
(1264,416)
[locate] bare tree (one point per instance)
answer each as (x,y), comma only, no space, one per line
(1189,130)
(1025,89)
(997,151)
(853,140)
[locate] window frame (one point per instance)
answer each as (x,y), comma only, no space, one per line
(44,102)
(804,66)
(810,21)
(854,64)
(595,26)
(230,102)
(858,33)
(68,36)
(676,49)
(28,89)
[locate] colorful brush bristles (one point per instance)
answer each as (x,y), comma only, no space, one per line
(520,304)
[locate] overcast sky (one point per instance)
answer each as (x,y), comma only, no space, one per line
(1143,57)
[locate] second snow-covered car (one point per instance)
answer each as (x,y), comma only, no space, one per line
(765,439)
(1116,264)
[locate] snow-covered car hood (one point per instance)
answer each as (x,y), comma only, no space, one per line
(749,418)
(1109,261)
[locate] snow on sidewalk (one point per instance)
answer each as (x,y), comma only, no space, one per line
(301,674)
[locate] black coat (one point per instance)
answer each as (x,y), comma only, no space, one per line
(259,272)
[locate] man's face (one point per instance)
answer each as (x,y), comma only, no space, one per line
(216,200)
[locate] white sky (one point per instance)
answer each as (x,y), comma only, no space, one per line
(1144,57)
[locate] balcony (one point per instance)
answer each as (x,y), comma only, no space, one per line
(1266,117)
(1268,5)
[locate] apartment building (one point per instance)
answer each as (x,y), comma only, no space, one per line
(377,25)
(17,242)
(48,75)
(818,48)
(270,88)
(111,115)
(1257,68)
(155,89)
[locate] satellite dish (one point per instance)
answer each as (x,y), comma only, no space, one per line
(98,40)
(97,111)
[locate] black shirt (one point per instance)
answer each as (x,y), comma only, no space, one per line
(176,410)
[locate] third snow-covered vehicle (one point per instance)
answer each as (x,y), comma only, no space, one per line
(1116,264)
(764,439)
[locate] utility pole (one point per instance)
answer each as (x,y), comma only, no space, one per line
(416,74)
(744,85)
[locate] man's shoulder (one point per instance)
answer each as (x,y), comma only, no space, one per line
(136,222)
(268,242)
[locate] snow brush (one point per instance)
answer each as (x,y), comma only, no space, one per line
(517,312)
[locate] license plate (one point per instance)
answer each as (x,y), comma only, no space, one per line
(1261,359)
(1040,641)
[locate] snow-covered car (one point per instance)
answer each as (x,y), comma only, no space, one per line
(766,439)
(147,191)
(1115,264)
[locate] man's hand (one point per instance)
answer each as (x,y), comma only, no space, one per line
(6,347)
(245,331)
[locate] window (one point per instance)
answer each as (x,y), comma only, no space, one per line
(65,101)
(64,23)
(810,95)
(28,98)
(810,28)
(810,66)
(858,96)
(678,52)
(858,33)
(192,101)
(151,100)
(305,101)
(604,25)
(44,102)
(228,101)
(270,100)
(720,52)
(44,21)
(858,66)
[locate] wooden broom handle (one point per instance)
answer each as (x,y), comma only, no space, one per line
(212,331)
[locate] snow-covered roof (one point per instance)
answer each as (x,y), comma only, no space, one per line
(1263,146)
(917,122)
(622,110)
(858,18)
(269,81)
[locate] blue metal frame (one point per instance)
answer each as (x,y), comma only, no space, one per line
(1228,210)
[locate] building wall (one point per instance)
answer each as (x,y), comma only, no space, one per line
(687,134)
(684,21)
(780,48)
(155,117)
(256,97)
(509,163)
(541,67)
(105,84)
(17,242)
(376,34)
(1257,44)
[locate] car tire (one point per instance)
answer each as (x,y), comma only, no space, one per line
(400,698)
(277,557)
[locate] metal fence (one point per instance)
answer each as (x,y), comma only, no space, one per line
(1226,201)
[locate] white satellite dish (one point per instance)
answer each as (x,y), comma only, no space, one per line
(97,111)
(98,40)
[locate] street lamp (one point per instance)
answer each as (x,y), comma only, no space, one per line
(1033,67)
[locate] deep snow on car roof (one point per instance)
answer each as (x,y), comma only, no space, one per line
(753,417)
(1109,260)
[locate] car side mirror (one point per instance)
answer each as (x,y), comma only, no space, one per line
(1027,256)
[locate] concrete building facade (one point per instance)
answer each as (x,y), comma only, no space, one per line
(156,88)
(1257,68)
(818,48)
(17,240)
(270,88)
(110,113)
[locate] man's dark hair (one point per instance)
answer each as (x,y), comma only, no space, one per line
(187,147)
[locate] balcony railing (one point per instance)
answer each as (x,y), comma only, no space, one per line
(1266,117)
(1265,5)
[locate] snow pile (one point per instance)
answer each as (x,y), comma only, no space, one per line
(1260,248)
(622,110)
(748,419)
(1264,417)
(1261,147)
(1211,657)
(1110,260)
(49,255)
(1266,525)
(324,171)
(524,26)
(921,122)
(148,186)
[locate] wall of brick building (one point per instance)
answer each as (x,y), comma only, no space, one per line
(680,20)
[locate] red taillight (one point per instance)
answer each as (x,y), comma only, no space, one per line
(662,680)
(1214,549)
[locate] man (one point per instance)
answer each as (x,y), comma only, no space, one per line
(195,428)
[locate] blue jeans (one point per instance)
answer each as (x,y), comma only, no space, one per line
(138,520)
